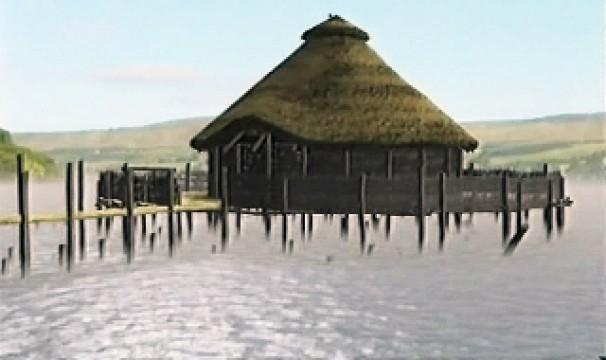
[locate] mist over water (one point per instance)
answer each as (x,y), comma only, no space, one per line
(469,301)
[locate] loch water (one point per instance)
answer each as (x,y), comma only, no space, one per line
(323,301)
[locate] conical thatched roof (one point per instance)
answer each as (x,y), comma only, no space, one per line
(335,89)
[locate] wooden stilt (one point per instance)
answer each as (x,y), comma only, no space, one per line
(284,214)
(179,216)
(303,223)
(171,211)
(60,253)
(310,225)
(362,213)
(560,209)
(107,184)
(4,266)
(520,207)
(344,226)
(238,222)
(69,201)
(130,212)
(101,248)
(457,221)
(23,204)
(81,223)
(505,218)
(442,213)
(421,199)
(152,242)
(387,226)
(225,209)
(267,223)
(515,240)
(143,227)
(548,210)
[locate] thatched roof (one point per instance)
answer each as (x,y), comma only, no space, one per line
(335,89)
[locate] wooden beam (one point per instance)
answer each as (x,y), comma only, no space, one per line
(347,162)
(305,162)
(239,159)
(259,142)
(233,142)
(390,164)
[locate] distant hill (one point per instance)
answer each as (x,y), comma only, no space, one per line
(573,142)
(165,143)
(37,163)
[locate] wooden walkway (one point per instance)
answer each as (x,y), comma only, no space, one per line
(190,204)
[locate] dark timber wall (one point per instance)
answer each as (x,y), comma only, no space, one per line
(327,179)
(250,159)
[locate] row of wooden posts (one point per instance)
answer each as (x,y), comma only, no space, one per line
(68,250)
(509,244)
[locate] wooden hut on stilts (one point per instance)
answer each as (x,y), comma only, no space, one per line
(333,129)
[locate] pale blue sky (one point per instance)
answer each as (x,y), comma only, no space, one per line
(111,63)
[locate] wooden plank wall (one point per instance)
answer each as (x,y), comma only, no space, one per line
(397,196)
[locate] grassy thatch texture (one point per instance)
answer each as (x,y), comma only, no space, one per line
(335,89)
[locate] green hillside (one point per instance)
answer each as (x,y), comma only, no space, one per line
(37,163)
(165,143)
(572,142)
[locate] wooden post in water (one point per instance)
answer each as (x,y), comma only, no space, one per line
(171,211)
(267,223)
(362,212)
(23,203)
(130,211)
(457,215)
(284,214)
(225,209)
(81,223)
(4,266)
(101,249)
(560,207)
(61,253)
(548,210)
(519,208)
(69,207)
(310,225)
(188,214)
(303,223)
(421,198)
(238,221)
(152,242)
(107,185)
(442,213)
(505,218)
(344,226)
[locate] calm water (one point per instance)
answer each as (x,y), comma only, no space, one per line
(545,301)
